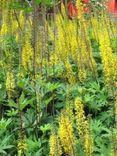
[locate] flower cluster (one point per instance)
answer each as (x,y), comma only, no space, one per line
(83,128)
(55,147)
(10,83)
(66,134)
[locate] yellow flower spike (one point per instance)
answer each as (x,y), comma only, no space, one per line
(5,23)
(82,75)
(4,29)
(53,60)
(10,83)
(22,147)
(55,147)
(80,9)
(85,55)
(27,55)
(109,59)
(22,19)
(94,25)
(63,11)
(83,128)
(70,74)
(66,134)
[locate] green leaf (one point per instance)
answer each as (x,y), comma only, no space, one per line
(46,127)
(26,102)
(33,145)
(11,103)
(4,123)
(23,102)
(52,86)
(4,144)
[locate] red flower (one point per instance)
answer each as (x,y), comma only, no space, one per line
(72,10)
(112,6)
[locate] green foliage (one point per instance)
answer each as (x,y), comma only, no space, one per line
(4,137)
(51,99)
(4,145)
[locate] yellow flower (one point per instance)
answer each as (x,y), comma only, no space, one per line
(82,75)
(66,134)
(70,74)
(27,55)
(80,9)
(83,128)
(10,83)
(4,29)
(22,146)
(109,59)
(22,19)
(55,147)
